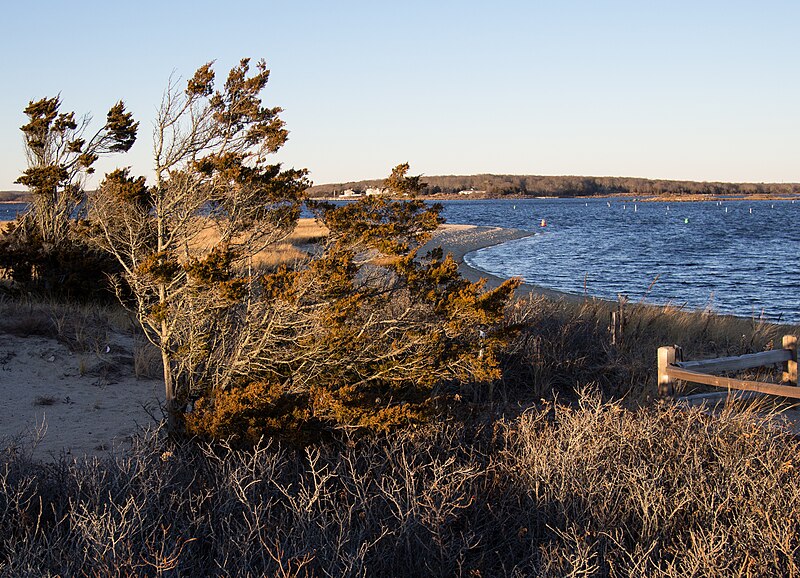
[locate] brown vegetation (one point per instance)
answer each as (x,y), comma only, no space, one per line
(564,344)
(351,344)
(594,490)
(507,485)
(294,249)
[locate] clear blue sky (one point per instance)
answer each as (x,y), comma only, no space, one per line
(700,90)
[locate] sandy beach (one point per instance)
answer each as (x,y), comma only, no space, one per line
(56,400)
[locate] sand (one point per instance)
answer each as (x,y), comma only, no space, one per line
(56,401)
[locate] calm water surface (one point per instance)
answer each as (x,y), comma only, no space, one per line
(738,257)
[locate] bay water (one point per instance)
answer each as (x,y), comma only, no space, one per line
(731,256)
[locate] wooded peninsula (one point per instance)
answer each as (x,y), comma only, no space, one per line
(490,186)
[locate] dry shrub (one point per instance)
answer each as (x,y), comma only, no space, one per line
(592,490)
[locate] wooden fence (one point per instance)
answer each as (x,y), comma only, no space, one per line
(671,368)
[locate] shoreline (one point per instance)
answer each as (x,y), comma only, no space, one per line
(643,197)
(461,240)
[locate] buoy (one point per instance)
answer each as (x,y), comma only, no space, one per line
(543,223)
(686,221)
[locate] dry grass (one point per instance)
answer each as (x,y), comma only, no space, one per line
(565,344)
(294,249)
(581,487)
(147,361)
(82,327)
(590,490)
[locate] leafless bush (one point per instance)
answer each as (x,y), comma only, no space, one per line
(594,490)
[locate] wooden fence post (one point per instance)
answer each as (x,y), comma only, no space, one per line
(617,325)
(790,373)
(614,326)
(666,356)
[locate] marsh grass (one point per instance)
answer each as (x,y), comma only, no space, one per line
(589,490)
(294,249)
(565,344)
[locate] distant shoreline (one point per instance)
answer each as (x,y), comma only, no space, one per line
(685,198)
(644,198)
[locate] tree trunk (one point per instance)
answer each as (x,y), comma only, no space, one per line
(173,410)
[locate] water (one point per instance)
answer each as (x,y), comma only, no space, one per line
(737,257)
(9,211)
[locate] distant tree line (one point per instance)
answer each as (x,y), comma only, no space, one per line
(15,197)
(567,186)
(492,186)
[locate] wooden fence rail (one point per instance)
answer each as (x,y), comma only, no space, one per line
(671,368)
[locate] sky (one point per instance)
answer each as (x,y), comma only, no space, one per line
(692,90)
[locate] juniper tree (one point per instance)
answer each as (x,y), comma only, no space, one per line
(186,242)
(368,334)
(45,249)
(365,333)
(60,156)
